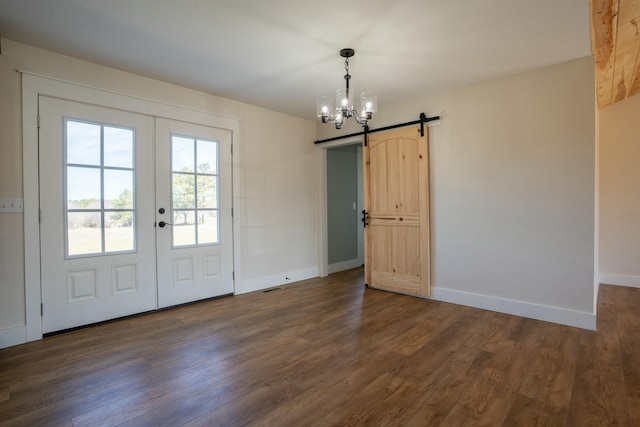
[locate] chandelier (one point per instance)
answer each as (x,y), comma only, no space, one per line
(344,102)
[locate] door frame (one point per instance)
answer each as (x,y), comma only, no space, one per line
(321,201)
(33,86)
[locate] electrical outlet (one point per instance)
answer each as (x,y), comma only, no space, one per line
(11,205)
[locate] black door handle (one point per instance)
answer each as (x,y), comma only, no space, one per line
(365,216)
(162,224)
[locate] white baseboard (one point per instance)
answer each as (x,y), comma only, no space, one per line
(344,265)
(620,280)
(563,316)
(245,286)
(13,336)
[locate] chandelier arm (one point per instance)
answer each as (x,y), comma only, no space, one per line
(360,120)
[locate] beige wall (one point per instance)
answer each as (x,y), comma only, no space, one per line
(513,189)
(12,309)
(620,193)
(276,182)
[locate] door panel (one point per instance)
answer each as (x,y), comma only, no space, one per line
(194,230)
(97,236)
(396,165)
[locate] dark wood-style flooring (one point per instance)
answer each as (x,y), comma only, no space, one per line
(330,352)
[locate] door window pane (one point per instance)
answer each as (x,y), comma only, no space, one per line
(183,191)
(182,154)
(207,192)
(119,231)
(184,228)
(84,233)
(207,156)
(100,190)
(194,191)
(83,143)
(208,227)
(118,189)
(118,147)
(83,188)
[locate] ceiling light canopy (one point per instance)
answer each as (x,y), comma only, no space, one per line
(344,101)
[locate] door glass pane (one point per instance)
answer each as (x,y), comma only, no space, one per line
(207,156)
(83,143)
(118,189)
(84,233)
(207,192)
(183,191)
(184,227)
(118,147)
(119,231)
(182,154)
(208,227)
(83,188)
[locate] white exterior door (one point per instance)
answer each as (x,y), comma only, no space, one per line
(193,212)
(117,240)
(96,204)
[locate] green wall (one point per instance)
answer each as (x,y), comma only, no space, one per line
(342,187)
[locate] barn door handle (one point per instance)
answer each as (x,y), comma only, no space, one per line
(365,217)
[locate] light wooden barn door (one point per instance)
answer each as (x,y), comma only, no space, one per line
(396,169)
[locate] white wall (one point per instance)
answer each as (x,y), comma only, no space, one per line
(276,211)
(513,191)
(619,193)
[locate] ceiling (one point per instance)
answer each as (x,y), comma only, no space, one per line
(283,54)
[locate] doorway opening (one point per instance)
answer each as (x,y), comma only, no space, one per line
(344,204)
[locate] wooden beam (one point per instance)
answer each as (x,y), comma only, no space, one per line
(627,44)
(603,44)
(630,15)
(615,41)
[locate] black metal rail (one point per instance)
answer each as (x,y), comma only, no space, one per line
(423,119)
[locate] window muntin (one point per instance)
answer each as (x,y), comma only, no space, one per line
(99,185)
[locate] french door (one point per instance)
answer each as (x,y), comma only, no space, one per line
(396,190)
(193,215)
(107,250)
(96,214)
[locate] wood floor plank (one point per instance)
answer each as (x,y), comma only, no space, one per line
(329,351)
(349,372)
(598,396)
(439,391)
(527,411)
(550,379)
(488,399)
(359,407)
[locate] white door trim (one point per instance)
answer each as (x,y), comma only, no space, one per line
(35,85)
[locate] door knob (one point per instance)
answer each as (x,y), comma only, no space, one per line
(162,224)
